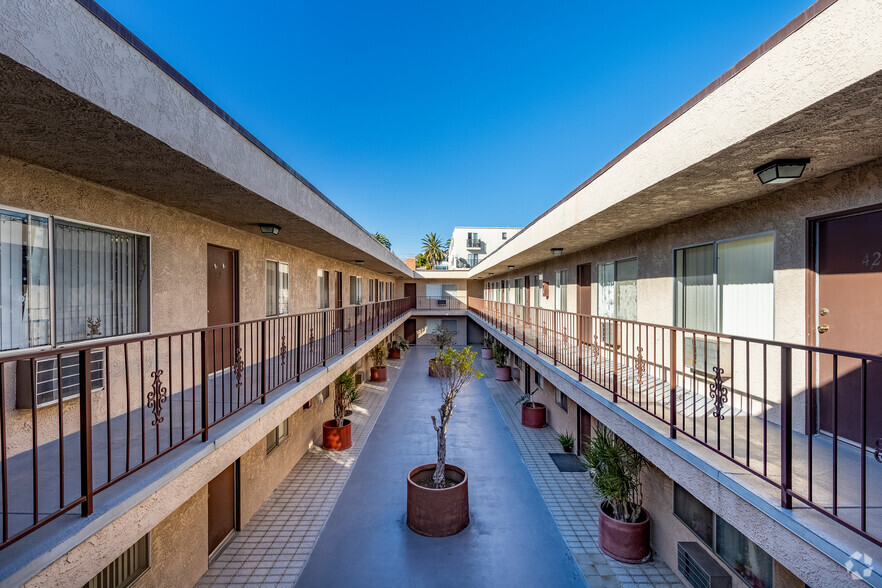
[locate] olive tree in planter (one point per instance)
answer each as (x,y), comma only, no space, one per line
(337,433)
(500,356)
(623,523)
(487,348)
(442,338)
(438,493)
(378,357)
(397,346)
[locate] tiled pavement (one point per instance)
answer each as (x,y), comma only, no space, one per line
(273,547)
(571,500)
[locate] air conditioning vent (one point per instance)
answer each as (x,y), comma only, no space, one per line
(125,569)
(359,378)
(46,372)
(699,568)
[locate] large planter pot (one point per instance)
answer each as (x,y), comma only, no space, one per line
(625,542)
(336,438)
(533,416)
(503,374)
(378,374)
(486,353)
(394,353)
(432,369)
(437,513)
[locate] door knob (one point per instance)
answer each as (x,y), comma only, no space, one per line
(823,329)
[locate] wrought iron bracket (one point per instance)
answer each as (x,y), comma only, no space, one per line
(719,393)
(156,397)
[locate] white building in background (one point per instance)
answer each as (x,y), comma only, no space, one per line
(469,245)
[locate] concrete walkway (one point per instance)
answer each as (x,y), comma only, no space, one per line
(512,539)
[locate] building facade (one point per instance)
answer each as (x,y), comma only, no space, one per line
(469,245)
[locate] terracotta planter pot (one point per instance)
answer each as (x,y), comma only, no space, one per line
(503,374)
(568,449)
(486,353)
(437,513)
(394,353)
(625,542)
(336,438)
(378,374)
(432,369)
(533,416)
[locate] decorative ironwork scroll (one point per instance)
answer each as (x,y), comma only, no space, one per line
(719,393)
(595,351)
(283,350)
(239,368)
(641,364)
(156,397)
(878,453)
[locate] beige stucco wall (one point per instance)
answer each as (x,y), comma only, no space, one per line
(178,242)
(424,332)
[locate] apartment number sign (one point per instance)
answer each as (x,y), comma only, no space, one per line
(872,259)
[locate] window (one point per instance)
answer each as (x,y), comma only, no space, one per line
(450,324)
(100,283)
(560,290)
(354,289)
(324,287)
(537,290)
(741,554)
(519,290)
(276,288)
(391,290)
(561,400)
(276,436)
(617,296)
(537,379)
(125,569)
(473,259)
(727,287)
(370,290)
(382,295)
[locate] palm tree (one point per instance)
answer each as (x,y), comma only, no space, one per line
(434,249)
(384,240)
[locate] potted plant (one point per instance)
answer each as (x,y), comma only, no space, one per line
(442,338)
(532,413)
(487,348)
(438,493)
(623,524)
(378,357)
(500,356)
(337,433)
(397,346)
(566,441)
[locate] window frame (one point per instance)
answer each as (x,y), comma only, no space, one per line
(325,275)
(561,400)
(279,312)
(615,264)
(278,437)
(560,289)
(358,282)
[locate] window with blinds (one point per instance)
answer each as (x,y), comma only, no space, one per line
(354,290)
(276,288)
(323,288)
(25,314)
(560,290)
(124,570)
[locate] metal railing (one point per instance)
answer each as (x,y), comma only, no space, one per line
(441,303)
(801,418)
(473,243)
(127,403)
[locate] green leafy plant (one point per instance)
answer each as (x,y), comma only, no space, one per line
(378,355)
(400,343)
(383,240)
(347,394)
(420,260)
(443,337)
(454,369)
(434,249)
(566,441)
(615,474)
(487,343)
(500,355)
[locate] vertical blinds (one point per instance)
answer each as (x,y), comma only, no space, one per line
(24,280)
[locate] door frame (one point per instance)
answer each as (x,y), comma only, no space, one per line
(237,512)
(236,298)
(813,418)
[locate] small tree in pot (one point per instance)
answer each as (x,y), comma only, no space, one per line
(500,356)
(337,433)
(437,494)
(378,357)
(398,345)
(623,523)
(442,338)
(487,348)
(532,413)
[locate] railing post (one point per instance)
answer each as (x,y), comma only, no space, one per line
(342,323)
(263,362)
(579,342)
(85,430)
(786,427)
(672,377)
(204,375)
(615,351)
(554,336)
(299,343)
(324,337)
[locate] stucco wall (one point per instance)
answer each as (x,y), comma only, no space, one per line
(424,332)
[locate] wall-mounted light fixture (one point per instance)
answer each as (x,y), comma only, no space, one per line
(556,251)
(511,267)
(489,273)
(388,273)
(359,262)
(269,229)
(781,171)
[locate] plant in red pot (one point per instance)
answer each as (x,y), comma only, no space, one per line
(623,523)
(500,356)
(397,346)
(442,338)
(337,433)
(487,348)
(532,413)
(438,493)
(378,357)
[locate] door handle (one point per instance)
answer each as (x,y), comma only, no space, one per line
(823,329)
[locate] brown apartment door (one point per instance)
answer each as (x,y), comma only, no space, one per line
(848,316)
(222,505)
(584,432)
(223,305)
(410,293)
(410,331)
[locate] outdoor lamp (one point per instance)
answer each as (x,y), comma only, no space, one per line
(781,171)
(556,250)
(359,262)
(268,229)
(511,267)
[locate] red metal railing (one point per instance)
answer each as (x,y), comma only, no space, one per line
(804,419)
(127,403)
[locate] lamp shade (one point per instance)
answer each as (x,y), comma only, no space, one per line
(781,171)
(269,229)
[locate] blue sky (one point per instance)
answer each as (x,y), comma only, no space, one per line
(416,117)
